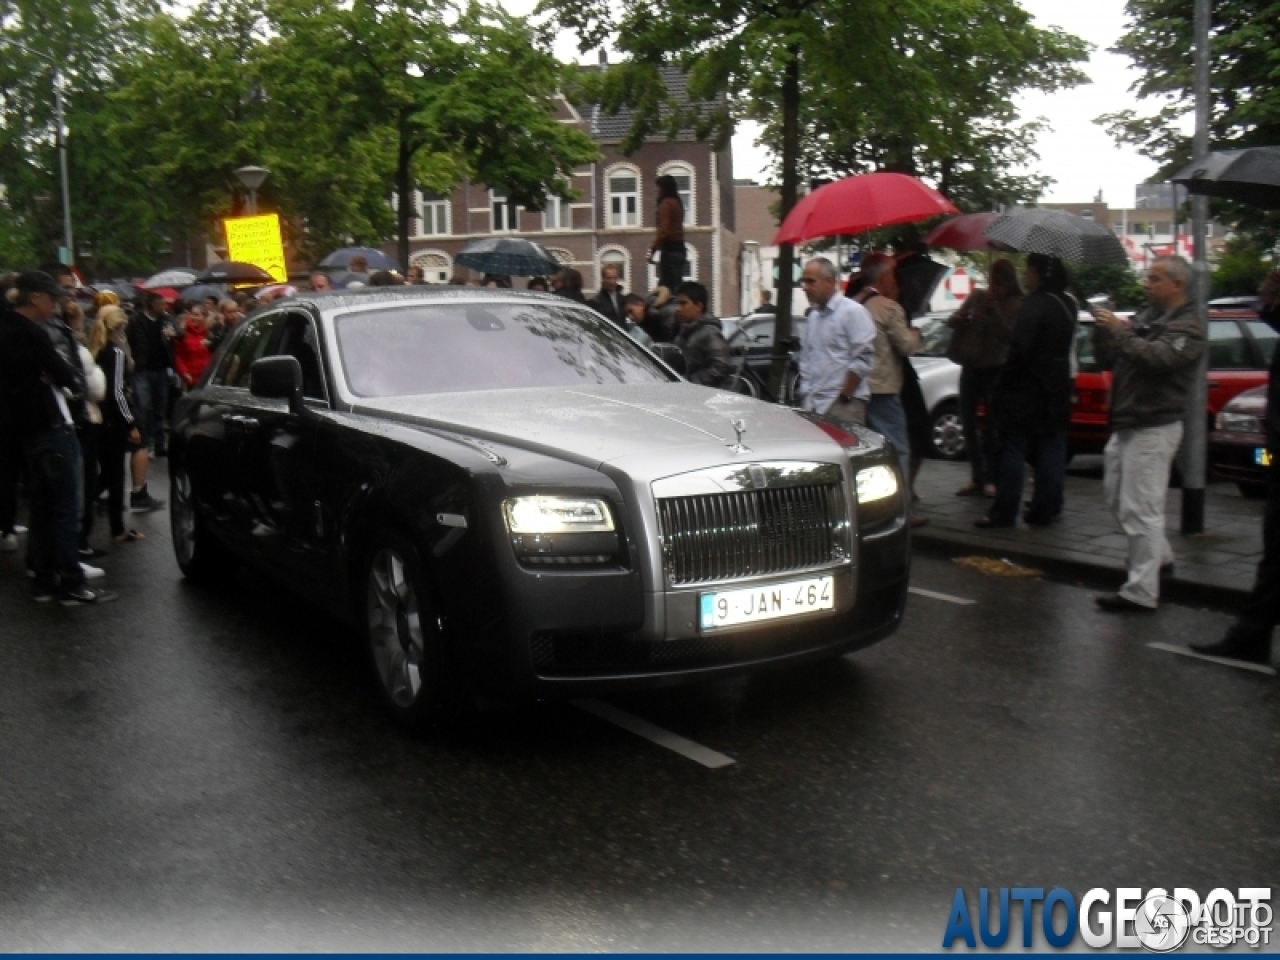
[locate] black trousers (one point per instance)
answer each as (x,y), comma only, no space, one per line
(113,449)
(90,435)
(1261,611)
(11,464)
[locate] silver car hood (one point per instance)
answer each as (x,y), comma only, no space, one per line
(654,427)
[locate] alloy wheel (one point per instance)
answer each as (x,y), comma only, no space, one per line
(395,628)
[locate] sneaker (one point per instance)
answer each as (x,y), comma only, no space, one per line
(19,528)
(91,572)
(1115,603)
(9,543)
(42,594)
(143,502)
(84,596)
(91,553)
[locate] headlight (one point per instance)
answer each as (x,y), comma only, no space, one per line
(557,515)
(1239,422)
(876,483)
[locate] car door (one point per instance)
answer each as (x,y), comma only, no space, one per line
(282,522)
(213,437)
(1234,362)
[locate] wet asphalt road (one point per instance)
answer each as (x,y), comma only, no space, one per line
(194,769)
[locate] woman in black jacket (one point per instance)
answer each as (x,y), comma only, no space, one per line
(120,433)
(1032,398)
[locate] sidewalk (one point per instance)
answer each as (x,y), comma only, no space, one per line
(1216,567)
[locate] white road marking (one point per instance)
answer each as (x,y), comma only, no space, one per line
(920,591)
(1238,664)
(663,738)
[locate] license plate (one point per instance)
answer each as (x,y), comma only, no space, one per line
(727,608)
(1262,457)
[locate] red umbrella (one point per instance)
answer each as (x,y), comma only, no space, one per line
(965,232)
(861,203)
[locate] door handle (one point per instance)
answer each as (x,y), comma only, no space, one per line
(1214,384)
(239,422)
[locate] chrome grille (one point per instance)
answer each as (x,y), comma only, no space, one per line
(726,536)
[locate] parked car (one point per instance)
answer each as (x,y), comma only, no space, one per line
(1237,446)
(506,493)
(752,338)
(1240,349)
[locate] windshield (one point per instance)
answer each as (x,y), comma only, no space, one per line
(452,347)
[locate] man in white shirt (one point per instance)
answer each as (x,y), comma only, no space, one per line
(839,348)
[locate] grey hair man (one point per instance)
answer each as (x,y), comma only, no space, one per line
(1154,361)
(839,348)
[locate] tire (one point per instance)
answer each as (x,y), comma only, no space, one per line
(743,385)
(201,556)
(1252,489)
(946,434)
(403,635)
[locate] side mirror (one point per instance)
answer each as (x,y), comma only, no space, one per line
(277,378)
(671,355)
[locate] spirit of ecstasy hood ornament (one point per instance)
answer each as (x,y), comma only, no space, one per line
(739,427)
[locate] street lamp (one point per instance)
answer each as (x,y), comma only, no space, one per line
(252,178)
(62,140)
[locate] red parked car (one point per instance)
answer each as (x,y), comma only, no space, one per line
(1240,349)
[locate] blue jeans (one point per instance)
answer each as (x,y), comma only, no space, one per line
(886,415)
(54,472)
(151,394)
(1047,453)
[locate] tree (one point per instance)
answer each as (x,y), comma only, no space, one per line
(866,82)
(1116,280)
(1245,89)
(468,94)
(1240,269)
(36,35)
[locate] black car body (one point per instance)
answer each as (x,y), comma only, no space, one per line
(509,494)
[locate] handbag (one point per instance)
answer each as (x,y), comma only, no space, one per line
(965,347)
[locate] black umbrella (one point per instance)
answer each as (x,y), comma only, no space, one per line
(1057,234)
(202,291)
(512,256)
(341,259)
(232,271)
(1250,176)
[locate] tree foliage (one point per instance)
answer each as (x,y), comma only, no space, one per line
(1244,80)
(345,103)
(1240,269)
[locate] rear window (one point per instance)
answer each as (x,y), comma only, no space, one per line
(1265,337)
(453,347)
(1228,349)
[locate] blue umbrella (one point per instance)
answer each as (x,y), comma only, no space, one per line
(511,256)
(341,259)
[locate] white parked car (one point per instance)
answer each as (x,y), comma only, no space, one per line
(939,377)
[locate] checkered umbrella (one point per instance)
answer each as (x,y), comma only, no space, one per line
(512,256)
(1057,234)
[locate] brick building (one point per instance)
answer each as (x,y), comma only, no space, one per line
(611,220)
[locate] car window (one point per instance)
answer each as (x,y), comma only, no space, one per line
(1228,349)
(1086,361)
(1265,338)
(298,340)
(252,343)
(935,335)
(450,347)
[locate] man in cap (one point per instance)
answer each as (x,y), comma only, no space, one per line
(36,382)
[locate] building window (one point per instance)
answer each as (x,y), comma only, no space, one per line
(433,214)
(683,176)
(1137,228)
(1087,213)
(436,266)
(556,214)
(506,216)
(624,199)
(617,258)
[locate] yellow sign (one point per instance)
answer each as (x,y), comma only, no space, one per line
(257,240)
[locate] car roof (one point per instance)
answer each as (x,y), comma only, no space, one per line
(327,300)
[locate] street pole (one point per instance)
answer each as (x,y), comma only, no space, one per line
(1195,437)
(62,168)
